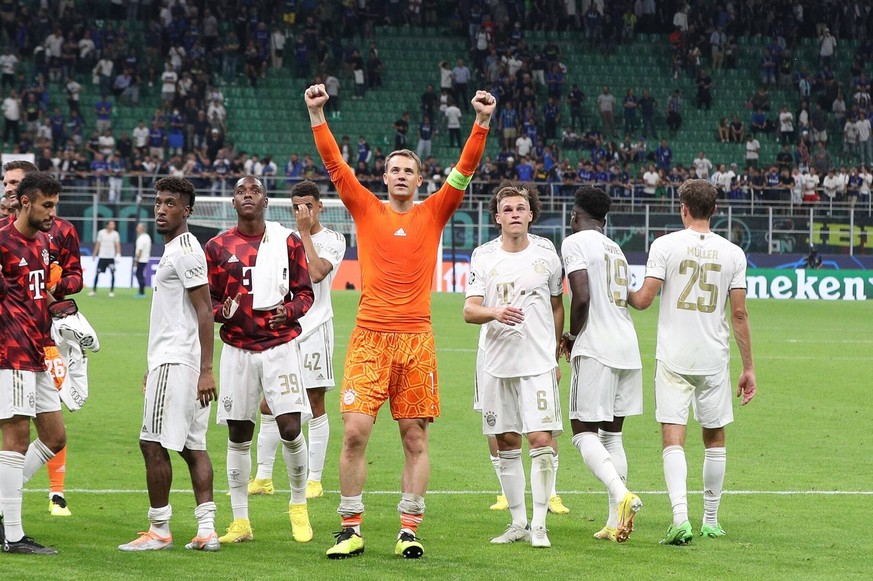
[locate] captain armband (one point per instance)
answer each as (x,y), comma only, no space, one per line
(458,180)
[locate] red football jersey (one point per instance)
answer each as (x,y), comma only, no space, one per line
(24,317)
(230,258)
(65,251)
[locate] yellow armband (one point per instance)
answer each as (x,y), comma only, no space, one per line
(458,180)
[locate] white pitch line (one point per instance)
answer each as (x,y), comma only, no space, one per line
(485,492)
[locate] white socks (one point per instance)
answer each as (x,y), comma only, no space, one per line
(11,481)
(495,462)
(296,460)
(38,454)
(160,520)
(676,476)
(554,491)
(205,515)
(599,462)
(714,463)
(239,467)
(612,441)
(319,434)
(268,442)
(542,482)
(512,480)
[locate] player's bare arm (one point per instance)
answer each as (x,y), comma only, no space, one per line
(478,314)
(319,267)
(202,304)
(746,386)
(483,104)
(581,299)
(643,298)
(315,97)
(558,316)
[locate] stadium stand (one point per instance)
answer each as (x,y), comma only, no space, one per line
(229,49)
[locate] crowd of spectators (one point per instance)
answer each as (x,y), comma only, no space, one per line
(189,49)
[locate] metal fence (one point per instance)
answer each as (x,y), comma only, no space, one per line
(777,226)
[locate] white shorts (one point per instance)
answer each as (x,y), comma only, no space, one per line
(477,382)
(246,376)
(599,393)
(709,395)
(315,353)
(27,393)
(520,404)
(172,416)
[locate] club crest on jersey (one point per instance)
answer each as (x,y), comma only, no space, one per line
(349,396)
(540,266)
(227,403)
(45,256)
(490,419)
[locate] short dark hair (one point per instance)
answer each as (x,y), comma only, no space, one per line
(407,153)
(38,181)
(306,188)
(179,186)
(594,201)
(21,164)
(508,189)
(699,197)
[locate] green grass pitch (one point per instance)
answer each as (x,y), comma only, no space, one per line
(798,479)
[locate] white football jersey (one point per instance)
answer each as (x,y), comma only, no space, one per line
(534,240)
(173,329)
(608,335)
(699,271)
(527,280)
(331,246)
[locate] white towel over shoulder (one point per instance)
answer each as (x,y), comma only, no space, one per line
(271,276)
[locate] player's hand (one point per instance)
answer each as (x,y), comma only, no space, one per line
(510,316)
(304,217)
(566,346)
(484,103)
(230,306)
(315,96)
(279,317)
(747,387)
(206,388)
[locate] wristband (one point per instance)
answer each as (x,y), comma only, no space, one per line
(458,180)
(570,336)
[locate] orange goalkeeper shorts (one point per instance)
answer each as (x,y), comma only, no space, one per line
(400,367)
(55,365)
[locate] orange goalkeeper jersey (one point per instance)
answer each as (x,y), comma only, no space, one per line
(397,252)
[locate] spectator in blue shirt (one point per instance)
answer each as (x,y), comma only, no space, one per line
(551,118)
(293,170)
(664,156)
(103,110)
